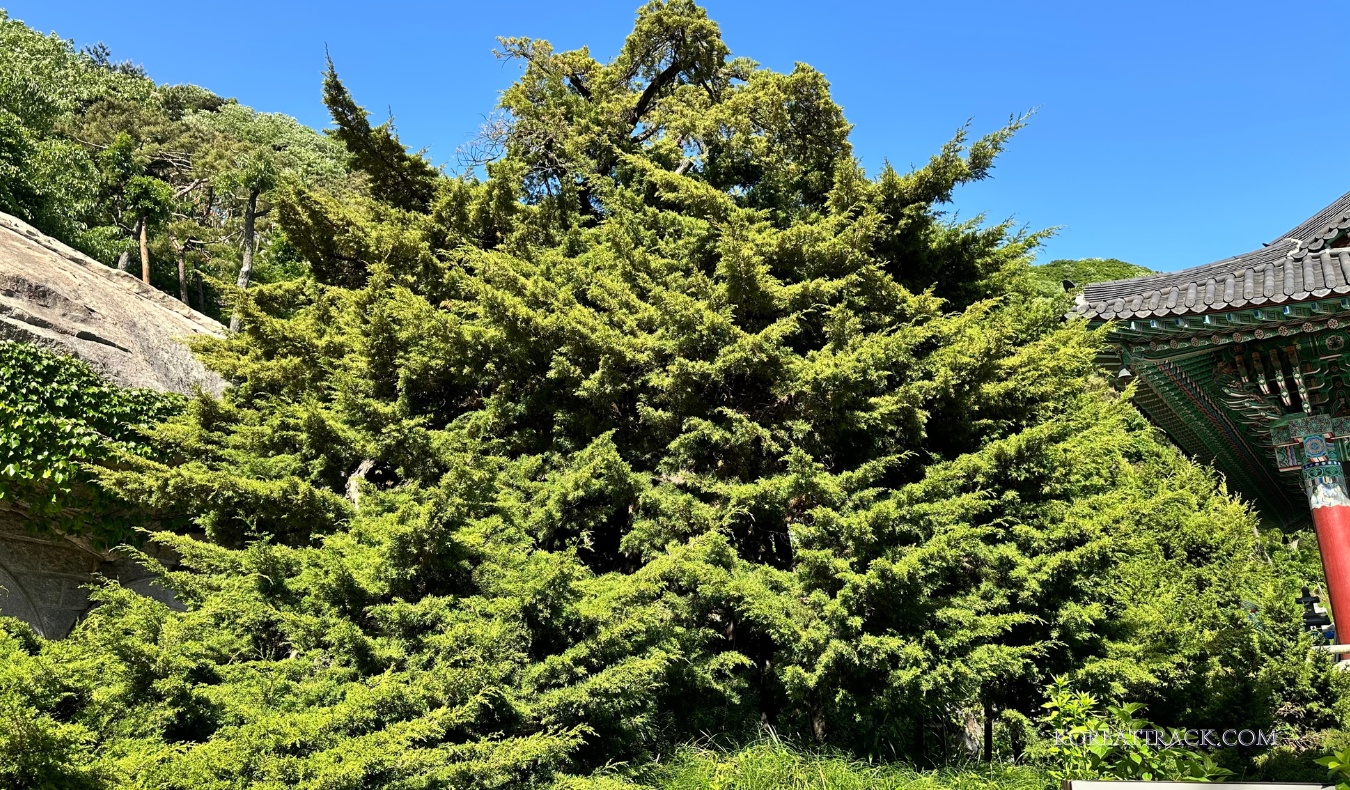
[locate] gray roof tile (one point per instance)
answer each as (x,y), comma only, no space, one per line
(1281,272)
(1331,216)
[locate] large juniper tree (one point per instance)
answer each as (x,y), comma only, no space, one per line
(672,421)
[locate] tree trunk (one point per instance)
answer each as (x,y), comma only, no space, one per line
(181,249)
(201,293)
(354,482)
(124,260)
(246,268)
(818,724)
(988,733)
(145,253)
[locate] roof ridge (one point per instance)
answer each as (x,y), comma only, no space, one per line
(1340,205)
(1307,270)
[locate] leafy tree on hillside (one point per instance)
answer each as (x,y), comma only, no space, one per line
(45,177)
(1065,274)
(246,156)
(96,154)
(151,202)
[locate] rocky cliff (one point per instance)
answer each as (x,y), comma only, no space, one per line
(57,297)
(54,296)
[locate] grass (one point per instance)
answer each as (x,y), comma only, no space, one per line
(772,765)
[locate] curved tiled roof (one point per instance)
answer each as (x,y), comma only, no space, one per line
(1298,266)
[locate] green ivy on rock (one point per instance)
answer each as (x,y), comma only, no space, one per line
(56,418)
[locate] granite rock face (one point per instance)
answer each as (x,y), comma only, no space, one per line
(54,296)
(132,335)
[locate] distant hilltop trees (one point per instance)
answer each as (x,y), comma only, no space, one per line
(1070,274)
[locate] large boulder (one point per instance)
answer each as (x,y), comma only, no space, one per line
(130,333)
(54,296)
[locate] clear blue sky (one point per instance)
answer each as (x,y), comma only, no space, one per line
(1169,133)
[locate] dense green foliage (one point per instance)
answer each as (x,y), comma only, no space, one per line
(1050,278)
(56,416)
(674,422)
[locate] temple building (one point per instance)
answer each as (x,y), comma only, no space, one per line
(1243,363)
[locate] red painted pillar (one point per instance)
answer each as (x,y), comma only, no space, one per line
(1324,482)
(1333,539)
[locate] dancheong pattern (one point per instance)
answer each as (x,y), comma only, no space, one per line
(1242,361)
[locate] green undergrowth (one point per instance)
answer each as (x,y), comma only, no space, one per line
(773,765)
